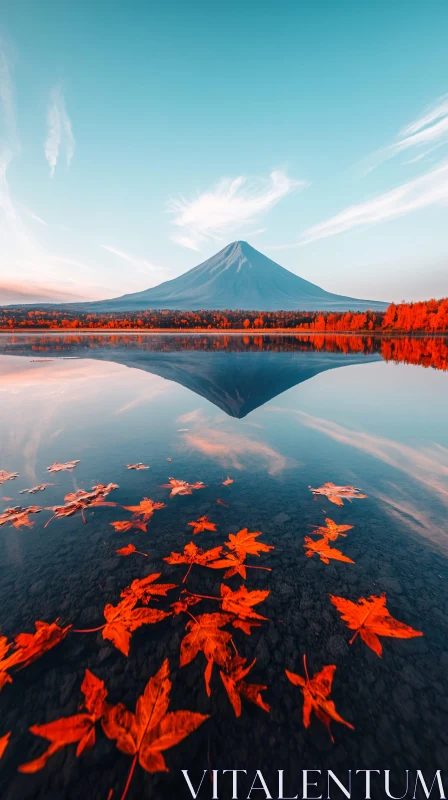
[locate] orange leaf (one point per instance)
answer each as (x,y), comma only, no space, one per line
(28,647)
(128,550)
(145,508)
(39,488)
(18,516)
(152,729)
(240,602)
(122,620)
(69,465)
(202,524)
(7,476)
(236,687)
(331,530)
(316,693)
(123,526)
(227,482)
(146,588)
(69,730)
(243,543)
(323,549)
(337,494)
(182,487)
(205,634)
(80,500)
(4,741)
(370,619)
(194,555)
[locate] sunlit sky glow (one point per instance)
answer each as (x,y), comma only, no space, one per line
(138,139)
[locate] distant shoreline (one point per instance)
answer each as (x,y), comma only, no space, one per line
(214,331)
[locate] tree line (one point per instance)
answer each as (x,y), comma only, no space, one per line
(429,316)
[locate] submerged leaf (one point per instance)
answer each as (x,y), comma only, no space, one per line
(146,588)
(205,634)
(69,730)
(194,555)
(331,530)
(370,619)
(323,549)
(236,687)
(145,509)
(129,550)
(202,524)
(316,696)
(28,647)
(137,466)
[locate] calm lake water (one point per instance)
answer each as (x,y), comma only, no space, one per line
(277,415)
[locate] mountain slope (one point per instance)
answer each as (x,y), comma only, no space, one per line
(238,277)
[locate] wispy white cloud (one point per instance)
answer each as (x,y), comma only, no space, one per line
(424,134)
(227,206)
(7,95)
(141,264)
(37,218)
(429,190)
(59,131)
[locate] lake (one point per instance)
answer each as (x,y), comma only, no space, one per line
(276,415)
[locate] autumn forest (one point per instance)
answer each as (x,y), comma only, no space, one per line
(419,317)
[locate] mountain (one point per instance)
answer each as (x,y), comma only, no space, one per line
(238,277)
(236,382)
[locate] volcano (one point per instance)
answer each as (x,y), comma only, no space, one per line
(237,278)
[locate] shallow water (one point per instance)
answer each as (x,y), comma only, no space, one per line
(277,414)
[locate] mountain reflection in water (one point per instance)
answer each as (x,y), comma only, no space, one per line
(236,373)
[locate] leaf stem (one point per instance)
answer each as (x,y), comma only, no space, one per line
(128,782)
(88,630)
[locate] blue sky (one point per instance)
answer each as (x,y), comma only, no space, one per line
(137,139)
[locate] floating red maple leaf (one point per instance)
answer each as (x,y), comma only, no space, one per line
(69,465)
(244,543)
(182,487)
(18,516)
(79,728)
(202,524)
(4,741)
(194,555)
(7,476)
(152,729)
(323,549)
(370,619)
(123,619)
(39,488)
(80,500)
(316,693)
(28,647)
(337,494)
(129,550)
(236,687)
(125,525)
(205,634)
(331,530)
(145,509)
(146,588)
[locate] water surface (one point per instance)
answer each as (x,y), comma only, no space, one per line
(277,414)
